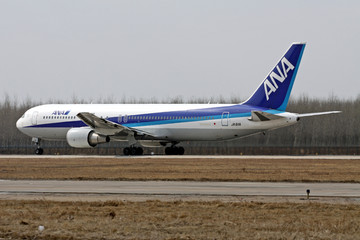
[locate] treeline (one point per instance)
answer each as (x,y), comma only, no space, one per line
(329,134)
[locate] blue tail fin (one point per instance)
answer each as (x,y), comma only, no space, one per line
(274,91)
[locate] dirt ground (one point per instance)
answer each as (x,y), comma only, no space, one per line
(179,217)
(177,220)
(195,169)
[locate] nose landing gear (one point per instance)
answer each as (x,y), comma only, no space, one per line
(39,150)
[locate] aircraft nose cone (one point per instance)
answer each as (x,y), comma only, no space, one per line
(19,124)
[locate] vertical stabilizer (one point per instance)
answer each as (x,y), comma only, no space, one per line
(274,91)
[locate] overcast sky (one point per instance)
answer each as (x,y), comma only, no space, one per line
(161,49)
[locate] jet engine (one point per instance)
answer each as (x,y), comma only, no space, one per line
(85,138)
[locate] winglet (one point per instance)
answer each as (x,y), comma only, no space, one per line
(274,91)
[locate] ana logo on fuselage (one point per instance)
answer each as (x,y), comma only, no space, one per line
(60,112)
(271,86)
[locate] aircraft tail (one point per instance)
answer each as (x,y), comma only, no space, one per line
(274,91)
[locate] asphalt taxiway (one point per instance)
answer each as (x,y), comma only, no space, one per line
(87,190)
(180,188)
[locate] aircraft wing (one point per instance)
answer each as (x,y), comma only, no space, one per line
(106,127)
(301,115)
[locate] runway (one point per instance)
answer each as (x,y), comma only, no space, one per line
(357,157)
(179,188)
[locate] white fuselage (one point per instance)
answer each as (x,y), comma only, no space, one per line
(170,122)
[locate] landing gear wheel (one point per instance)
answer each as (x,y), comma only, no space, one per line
(174,151)
(126,151)
(133,151)
(181,151)
(39,151)
(168,151)
(130,151)
(139,151)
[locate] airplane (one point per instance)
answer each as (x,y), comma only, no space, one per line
(166,125)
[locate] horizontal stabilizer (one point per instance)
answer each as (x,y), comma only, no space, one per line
(316,114)
(258,116)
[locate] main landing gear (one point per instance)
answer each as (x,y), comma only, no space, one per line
(174,150)
(128,151)
(39,150)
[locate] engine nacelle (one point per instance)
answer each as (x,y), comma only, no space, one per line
(85,138)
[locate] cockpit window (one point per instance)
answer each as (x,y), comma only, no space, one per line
(23,116)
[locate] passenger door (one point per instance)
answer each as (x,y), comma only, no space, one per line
(225,119)
(34,118)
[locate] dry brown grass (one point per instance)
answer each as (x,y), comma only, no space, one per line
(177,220)
(255,169)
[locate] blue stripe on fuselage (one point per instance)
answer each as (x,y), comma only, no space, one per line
(70,124)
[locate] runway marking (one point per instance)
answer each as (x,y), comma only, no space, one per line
(181,188)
